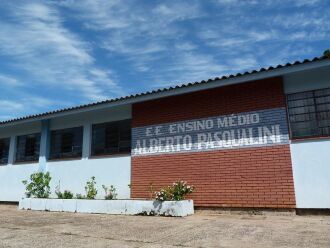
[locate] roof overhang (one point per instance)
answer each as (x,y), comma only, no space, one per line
(203,85)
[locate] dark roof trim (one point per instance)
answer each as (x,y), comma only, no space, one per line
(180,89)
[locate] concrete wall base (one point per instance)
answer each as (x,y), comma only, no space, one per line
(246,211)
(312,211)
(126,207)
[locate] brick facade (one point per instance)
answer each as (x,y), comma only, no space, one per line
(242,177)
(246,97)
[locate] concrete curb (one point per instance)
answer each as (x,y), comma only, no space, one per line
(125,207)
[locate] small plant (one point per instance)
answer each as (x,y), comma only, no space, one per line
(67,194)
(38,185)
(80,196)
(90,189)
(177,192)
(110,192)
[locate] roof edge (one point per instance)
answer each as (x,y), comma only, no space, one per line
(262,73)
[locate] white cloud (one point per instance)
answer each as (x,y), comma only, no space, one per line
(42,47)
(143,34)
(9,81)
(33,103)
(153,43)
(12,105)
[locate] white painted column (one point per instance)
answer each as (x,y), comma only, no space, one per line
(44,145)
(12,150)
(86,149)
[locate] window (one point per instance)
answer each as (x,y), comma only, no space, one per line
(111,138)
(66,143)
(309,113)
(4,150)
(28,147)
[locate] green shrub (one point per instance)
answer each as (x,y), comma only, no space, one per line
(177,192)
(80,196)
(67,194)
(110,192)
(38,185)
(90,189)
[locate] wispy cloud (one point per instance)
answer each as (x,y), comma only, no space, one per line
(66,52)
(171,41)
(37,40)
(9,81)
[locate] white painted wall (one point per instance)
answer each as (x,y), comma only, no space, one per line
(11,177)
(74,174)
(310,158)
(311,173)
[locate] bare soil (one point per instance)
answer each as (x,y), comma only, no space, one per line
(46,229)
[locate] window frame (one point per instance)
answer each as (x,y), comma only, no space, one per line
(316,112)
(20,161)
(110,154)
(5,163)
(61,133)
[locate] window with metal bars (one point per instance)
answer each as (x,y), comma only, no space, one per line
(4,150)
(111,138)
(27,149)
(66,143)
(309,113)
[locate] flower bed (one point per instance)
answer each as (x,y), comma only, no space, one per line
(127,207)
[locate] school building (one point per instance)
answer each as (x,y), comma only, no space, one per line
(259,139)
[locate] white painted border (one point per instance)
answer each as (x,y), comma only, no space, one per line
(126,207)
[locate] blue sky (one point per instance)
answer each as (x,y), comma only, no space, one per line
(56,54)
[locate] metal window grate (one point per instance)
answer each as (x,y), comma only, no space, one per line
(66,143)
(4,150)
(28,147)
(309,113)
(111,138)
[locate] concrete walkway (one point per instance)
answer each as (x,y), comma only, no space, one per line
(45,229)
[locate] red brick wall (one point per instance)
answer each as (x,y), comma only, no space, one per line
(249,177)
(246,97)
(246,177)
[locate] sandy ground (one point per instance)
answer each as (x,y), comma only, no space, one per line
(45,229)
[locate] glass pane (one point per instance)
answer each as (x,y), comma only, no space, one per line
(303,117)
(323,115)
(300,133)
(66,143)
(323,99)
(325,131)
(301,110)
(302,95)
(301,102)
(304,125)
(28,147)
(322,92)
(4,150)
(324,123)
(111,137)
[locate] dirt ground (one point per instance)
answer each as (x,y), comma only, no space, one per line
(46,229)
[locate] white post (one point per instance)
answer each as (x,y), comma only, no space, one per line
(44,145)
(12,150)
(86,141)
